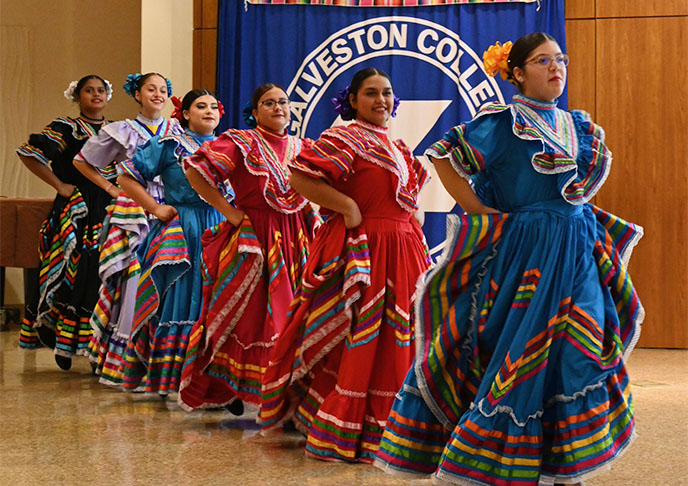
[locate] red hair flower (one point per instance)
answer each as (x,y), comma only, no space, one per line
(177,113)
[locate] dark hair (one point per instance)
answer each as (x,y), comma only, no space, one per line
(357,82)
(82,82)
(142,80)
(364,74)
(188,100)
(261,90)
(521,51)
(134,83)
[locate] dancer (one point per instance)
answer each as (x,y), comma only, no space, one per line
(126,223)
(169,294)
(254,261)
(59,314)
(349,340)
(526,324)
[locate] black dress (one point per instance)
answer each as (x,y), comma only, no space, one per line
(69,249)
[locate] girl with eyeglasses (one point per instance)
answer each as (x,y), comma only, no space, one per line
(349,339)
(59,315)
(525,325)
(252,263)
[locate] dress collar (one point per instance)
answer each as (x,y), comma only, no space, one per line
(535,104)
(270,134)
(372,127)
(91,120)
(198,137)
(148,121)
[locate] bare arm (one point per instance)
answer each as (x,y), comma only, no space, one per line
(44,173)
(94,176)
(320,192)
(459,188)
(214,197)
(139,194)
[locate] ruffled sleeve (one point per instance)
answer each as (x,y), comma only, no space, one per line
(51,142)
(146,163)
(592,164)
(471,146)
(582,167)
(215,160)
(328,158)
(418,173)
(101,150)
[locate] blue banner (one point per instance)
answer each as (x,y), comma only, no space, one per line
(433,55)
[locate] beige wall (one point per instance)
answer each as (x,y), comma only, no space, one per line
(44,45)
(619,72)
(168,24)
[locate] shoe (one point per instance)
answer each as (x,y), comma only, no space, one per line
(63,362)
(46,336)
(236,407)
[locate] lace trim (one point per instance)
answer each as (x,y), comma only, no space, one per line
(453,224)
(400,170)
(272,167)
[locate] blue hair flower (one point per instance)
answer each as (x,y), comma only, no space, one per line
(131,84)
(342,105)
(247,113)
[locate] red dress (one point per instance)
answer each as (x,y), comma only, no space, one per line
(348,344)
(251,272)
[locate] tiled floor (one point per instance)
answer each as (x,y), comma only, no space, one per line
(64,428)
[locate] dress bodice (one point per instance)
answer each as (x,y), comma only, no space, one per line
(528,155)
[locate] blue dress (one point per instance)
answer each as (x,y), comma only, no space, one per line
(525,324)
(168,299)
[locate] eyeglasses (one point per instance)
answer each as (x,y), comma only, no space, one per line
(544,61)
(270,104)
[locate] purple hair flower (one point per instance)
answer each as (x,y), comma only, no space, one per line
(342,105)
(396,105)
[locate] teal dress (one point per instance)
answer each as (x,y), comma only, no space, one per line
(169,294)
(525,324)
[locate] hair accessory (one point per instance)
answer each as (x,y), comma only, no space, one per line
(69,92)
(108,89)
(342,105)
(396,105)
(177,113)
(495,59)
(247,113)
(221,108)
(130,86)
(71,95)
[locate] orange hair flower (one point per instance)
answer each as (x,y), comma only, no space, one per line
(495,59)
